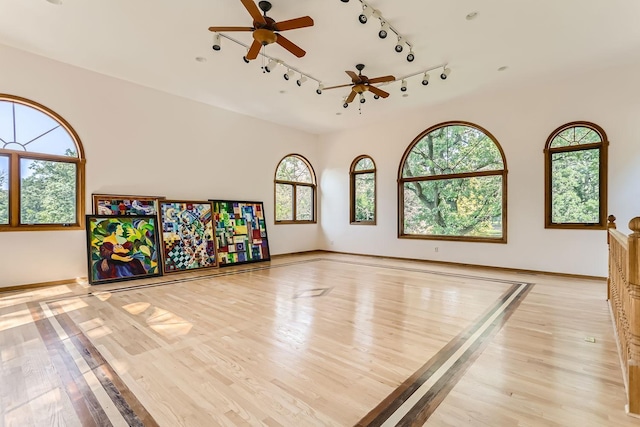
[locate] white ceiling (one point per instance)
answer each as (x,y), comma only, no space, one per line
(155,43)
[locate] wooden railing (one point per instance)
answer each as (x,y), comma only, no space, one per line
(623,291)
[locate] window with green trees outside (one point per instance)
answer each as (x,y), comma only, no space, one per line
(453,185)
(363,191)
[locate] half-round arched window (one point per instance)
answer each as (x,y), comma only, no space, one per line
(576,177)
(453,185)
(295,191)
(41,168)
(363,191)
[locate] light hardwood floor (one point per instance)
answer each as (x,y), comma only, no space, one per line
(316,339)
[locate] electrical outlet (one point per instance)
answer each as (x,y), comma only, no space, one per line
(590,339)
(436,249)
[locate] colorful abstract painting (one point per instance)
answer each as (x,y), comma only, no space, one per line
(187,235)
(122,247)
(107,204)
(241,232)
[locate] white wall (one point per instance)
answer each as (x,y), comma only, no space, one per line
(142,141)
(521,120)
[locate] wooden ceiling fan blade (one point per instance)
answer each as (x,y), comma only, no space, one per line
(351,97)
(254,11)
(381,93)
(254,50)
(227,29)
(290,46)
(292,24)
(382,79)
(334,87)
(354,76)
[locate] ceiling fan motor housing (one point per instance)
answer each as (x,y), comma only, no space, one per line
(265,36)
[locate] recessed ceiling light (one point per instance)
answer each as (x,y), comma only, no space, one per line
(404,95)
(56,2)
(504,67)
(283,91)
(338,114)
(472,15)
(198,58)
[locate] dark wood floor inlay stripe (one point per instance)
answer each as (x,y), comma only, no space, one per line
(127,403)
(84,401)
(426,405)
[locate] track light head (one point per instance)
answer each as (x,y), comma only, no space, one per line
(362,99)
(287,76)
(384,30)
(403,88)
(320,88)
(410,56)
(345,105)
(367,11)
(399,45)
(301,80)
(244,58)
(376,96)
(216,42)
(271,66)
(445,73)
(425,79)
(344,1)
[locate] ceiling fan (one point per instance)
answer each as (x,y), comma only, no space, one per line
(360,84)
(266,30)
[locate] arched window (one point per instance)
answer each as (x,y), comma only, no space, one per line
(295,193)
(41,169)
(453,185)
(576,177)
(363,191)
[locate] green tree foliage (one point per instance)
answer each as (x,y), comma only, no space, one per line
(284,202)
(48,192)
(293,169)
(4,197)
(462,206)
(575,187)
(364,197)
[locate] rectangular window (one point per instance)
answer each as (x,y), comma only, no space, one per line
(575,187)
(284,202)
(4,190)
(47,192)
(364,197)
(454,207)
(304,203)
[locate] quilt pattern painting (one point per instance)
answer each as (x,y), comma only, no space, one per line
(105,204)
(241,232)
(187,235)
(122,247)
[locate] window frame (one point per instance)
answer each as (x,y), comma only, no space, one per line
(352,190)
(295,185)
(502,173)
(602,146)
(15,156)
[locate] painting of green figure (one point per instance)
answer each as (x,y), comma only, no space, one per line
(122,248)
(187,235)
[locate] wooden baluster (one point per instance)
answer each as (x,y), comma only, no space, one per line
(610,226)
(634,316)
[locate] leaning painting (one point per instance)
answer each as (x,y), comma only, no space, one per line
(109,204)
(122,247)
(241,232)
(187,235)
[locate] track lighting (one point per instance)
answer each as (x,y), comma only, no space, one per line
(384,30)
(320,88)
(362,99)
(376,96)
(404,86)
(246,61)
(301,80)
(216,42)
(367,11)
(445,73)
(425,79)
(288,74)
(344,1)
(400,44)
(271,66)
(411,56)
